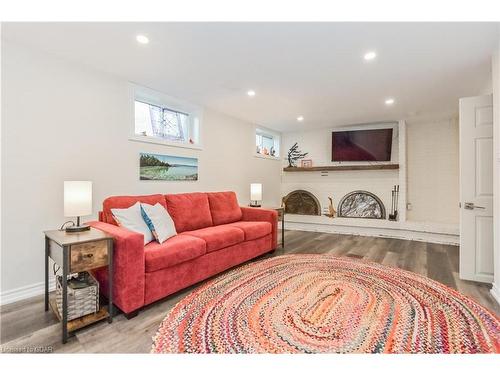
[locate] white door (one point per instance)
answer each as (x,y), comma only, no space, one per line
(476,188)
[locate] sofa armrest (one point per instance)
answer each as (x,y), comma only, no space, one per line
(261,214)
(128,267)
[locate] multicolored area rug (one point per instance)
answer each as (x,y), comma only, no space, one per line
(324,304)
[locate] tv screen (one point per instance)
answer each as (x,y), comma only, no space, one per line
(362,145)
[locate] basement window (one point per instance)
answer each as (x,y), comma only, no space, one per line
(267,143)
(163,120)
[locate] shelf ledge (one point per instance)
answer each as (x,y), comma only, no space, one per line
(342,168)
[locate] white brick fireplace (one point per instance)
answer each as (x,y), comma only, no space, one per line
(336,184)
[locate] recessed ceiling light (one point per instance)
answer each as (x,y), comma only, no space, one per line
(300,118)
(370,55)
(389,101)
(251,93)
(143,39)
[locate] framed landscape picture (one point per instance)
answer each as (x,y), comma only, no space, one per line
(167,168)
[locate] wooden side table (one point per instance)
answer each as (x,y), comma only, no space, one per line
(78,252)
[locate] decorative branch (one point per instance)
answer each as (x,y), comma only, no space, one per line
(294,154)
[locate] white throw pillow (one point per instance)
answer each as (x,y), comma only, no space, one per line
(131,219)
(160,222)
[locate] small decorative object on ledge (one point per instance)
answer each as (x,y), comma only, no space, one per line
(331,210)
(393,216)
(306,163)
(294,154)
(255,195)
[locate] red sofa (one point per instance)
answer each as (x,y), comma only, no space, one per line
(214,234)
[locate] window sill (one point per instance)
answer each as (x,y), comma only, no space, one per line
(139,138)
(267,157)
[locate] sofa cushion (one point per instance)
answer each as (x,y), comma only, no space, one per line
(175,250)
(254,229)
(224,207)
(218,237)
(189,211)
(126,201)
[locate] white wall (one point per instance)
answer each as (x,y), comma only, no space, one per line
(433,169)
(63,122)
(496,172)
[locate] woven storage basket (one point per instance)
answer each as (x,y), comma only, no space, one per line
(82,301)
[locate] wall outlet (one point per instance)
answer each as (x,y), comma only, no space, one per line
(408,206)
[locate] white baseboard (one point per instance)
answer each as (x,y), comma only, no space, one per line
(18,294)
(399,233)
(495,292)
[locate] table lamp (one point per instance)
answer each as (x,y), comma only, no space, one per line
(77,202)
(255,195)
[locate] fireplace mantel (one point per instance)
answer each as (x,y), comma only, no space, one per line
(342,168)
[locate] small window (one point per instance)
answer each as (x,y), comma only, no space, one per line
(154,121)
(267,143)
(159,119)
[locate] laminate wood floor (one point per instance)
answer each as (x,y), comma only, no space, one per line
(25,324)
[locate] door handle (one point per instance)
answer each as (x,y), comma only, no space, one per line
(472,206)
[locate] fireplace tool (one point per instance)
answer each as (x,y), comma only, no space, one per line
(393,216)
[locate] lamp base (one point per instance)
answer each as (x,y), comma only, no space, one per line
(77,228)
(254,204)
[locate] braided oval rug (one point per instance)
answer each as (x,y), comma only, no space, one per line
(325,304)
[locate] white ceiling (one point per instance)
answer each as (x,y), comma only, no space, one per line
(312,69)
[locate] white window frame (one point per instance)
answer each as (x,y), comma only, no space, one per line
(150,96)
(259,130)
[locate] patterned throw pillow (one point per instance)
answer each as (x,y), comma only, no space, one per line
(159,221)
(149,223)
(132,219)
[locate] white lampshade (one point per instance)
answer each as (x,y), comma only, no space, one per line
(255,192)
(77,198)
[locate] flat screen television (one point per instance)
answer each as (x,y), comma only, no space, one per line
(362,145)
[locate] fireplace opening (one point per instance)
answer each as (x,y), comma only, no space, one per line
(301,202)
(361,204)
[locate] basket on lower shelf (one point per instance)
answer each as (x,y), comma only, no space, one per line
(83,295)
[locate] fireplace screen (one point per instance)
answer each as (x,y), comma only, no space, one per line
(361,204)
(301,202)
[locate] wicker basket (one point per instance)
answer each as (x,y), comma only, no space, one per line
(81,301)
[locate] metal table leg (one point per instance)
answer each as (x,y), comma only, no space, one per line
(110,280)
(65,295)
(47,244)
(283,230)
